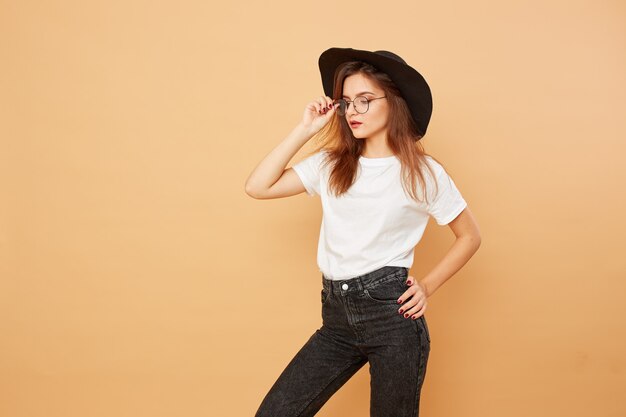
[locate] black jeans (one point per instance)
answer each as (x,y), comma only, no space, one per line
(360,323)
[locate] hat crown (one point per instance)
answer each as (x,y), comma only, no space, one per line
(391,55)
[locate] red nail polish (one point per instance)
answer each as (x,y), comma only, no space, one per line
(399,301)
(401,311)
(409,282)
(406,315)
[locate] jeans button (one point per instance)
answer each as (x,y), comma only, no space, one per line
(344,286)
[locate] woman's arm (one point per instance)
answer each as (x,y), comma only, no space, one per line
(271,169)
(467,242)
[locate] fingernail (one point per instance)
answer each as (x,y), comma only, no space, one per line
(401,311)
(406,315)
(409,282)
(399,301)
(413,317)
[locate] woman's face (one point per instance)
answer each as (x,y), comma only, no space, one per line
(374,121)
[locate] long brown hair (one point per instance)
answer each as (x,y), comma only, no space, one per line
(403,136)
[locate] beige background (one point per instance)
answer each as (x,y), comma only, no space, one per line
(138,278)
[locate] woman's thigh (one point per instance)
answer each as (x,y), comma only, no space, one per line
(314,374)
(397,372)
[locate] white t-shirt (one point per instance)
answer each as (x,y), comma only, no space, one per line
(374,224)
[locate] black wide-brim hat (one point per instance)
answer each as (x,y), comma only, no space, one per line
(411,83)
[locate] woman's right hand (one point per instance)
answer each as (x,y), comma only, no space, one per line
(317,113)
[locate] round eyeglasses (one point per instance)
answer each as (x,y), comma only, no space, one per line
(361,104)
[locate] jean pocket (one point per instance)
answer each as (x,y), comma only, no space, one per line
(324,295)
(387,292)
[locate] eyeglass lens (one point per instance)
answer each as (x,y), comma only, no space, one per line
(361,105)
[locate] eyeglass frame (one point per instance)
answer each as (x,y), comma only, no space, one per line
(367,100)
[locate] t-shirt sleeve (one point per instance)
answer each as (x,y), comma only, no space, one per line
(309,171)
(448,202)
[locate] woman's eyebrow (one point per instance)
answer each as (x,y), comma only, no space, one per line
(359,94)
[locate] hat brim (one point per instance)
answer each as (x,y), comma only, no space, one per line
(411,83)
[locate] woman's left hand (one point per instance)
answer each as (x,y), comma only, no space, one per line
(415,298)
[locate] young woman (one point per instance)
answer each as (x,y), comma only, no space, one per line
(378,189)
